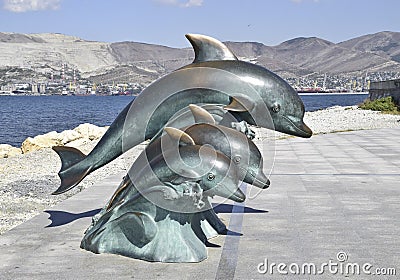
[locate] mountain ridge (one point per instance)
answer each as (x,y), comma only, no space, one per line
(142,61)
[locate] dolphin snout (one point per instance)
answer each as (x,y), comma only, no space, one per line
(234,194)
(297,127)
(306,132)
(261,181)
(238,196)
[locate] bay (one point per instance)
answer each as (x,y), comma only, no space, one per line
(28,116)
(313,102)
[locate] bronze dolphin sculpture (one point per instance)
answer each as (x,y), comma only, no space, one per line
(157,202)
(211,169)
(251,92)
(243,152)
(232,143)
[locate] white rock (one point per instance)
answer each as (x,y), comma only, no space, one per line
(7,151)
(68,136)
(91,131)
(81,135)
(78,143)
(41,141)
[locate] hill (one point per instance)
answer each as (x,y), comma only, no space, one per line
(142,63)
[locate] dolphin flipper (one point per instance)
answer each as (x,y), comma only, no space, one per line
(70,174)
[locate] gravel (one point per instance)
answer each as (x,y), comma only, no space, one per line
(336,119)
(27,181)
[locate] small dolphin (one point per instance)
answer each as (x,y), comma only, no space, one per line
(243,153)
(157,214)
(235,145)
(215,173)
(251,92)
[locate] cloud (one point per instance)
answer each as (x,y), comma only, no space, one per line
(182,4)
(193,3)
(20,6)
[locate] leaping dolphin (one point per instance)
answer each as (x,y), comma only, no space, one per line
(251,92)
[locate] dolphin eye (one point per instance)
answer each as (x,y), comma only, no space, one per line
(236,159)
(210,176)
(276,108)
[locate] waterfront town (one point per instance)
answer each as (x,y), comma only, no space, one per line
(69,81)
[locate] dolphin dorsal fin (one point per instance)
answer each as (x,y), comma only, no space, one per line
(239,104)
(201,115)
(179,135)
(209,49)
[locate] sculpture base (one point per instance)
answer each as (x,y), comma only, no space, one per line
(132,226)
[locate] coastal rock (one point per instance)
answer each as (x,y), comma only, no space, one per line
(91,131)
(78,143)
(47,140)
(7,151)
(81,135)
(68,136)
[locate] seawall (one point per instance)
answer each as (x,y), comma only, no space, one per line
(385,88)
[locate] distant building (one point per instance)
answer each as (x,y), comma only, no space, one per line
(35,89)
(42,88)
(385,88)
(38,88)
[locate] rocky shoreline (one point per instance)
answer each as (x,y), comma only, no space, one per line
(28,175)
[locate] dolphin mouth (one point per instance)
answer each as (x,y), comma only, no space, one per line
(238,196)
(298,128)
(235,195)
(261,181)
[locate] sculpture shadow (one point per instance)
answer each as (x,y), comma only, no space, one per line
(228,208)
(60,218)
(211,245)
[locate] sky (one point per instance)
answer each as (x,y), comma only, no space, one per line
(165,22)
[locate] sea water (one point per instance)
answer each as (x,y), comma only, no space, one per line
(28,116)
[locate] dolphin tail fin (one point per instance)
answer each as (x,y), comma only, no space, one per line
(69,174)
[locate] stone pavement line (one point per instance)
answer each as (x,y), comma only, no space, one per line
(228,261)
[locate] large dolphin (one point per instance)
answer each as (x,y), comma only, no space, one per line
(251,92)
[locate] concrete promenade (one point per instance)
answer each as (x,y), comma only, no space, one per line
(332,197)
